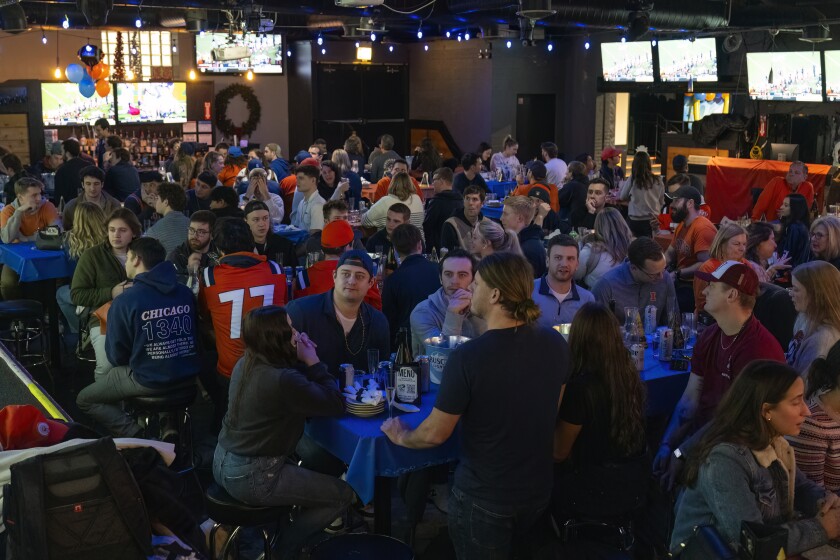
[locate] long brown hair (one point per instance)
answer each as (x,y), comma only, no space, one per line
(641,172)
(822,284)
(738,418)
(268,340)
(598,350)
(513,276)
(824,373)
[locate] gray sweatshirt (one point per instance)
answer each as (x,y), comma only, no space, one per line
(432,318)
(619,285)
(645,204)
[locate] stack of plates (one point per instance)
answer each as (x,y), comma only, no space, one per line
(364,410)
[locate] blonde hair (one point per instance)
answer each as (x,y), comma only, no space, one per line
(185,165)
(832,228)
(513,276)
(822,284)
(353,145)
(340,158)
(88,228)
(499,238)
(401,186)
(722,237)
(523,206)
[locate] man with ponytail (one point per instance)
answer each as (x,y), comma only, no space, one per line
(504,478)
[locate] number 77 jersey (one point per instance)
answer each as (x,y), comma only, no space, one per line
(240,283)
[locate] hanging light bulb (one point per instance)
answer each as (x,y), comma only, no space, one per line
(467,36)
(420,31)
(653,42)
(509,44)
(320,40)
(586,44)
(390,48)
(426,48)
(289,53)
(623,39)
(372,36)
(66,23)
(323,51)
(448,34)
(249,75)
(459,37)
(191,74)
(43,37)
(138,23)
(174,47)
(550,47)
(357,44)
(129,74)
(57,73)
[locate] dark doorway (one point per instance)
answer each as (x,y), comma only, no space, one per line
(534,123)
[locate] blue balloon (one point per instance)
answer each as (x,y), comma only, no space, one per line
(75,73)
(86,79)
(700,96)
(87,88)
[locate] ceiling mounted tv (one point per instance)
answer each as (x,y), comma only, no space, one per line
(627,62)
(63,105)
(785,76)
(152,102)
(683,60)
(832,75)
(221,53)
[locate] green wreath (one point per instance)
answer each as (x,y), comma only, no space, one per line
(225,124)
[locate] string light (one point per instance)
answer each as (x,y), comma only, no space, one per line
(372,37)
(586,44)
(320,40)
(420,31)
(138,23)
(191,74)
(249,75)
(550,47)
(129,74)
(289,54)
(426,48)
(448,34)
(509,44)
(467,36)
(323,51)
(390,48)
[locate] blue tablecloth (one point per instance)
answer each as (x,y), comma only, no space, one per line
(32,264)
(493,212)
(501,188)
(293,234)
(369,453)
(664,387)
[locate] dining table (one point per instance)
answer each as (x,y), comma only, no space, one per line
(36,265)
(372,460)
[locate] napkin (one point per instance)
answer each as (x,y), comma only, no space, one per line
(406,407)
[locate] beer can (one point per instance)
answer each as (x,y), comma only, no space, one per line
(348,373)
(425,370)
(637,352)
(666,344)
(650,319)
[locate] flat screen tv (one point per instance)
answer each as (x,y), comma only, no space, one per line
(785,76)
(63,105)
(832,75)
(683,60)
(627,62)
(220,53)
(152,102)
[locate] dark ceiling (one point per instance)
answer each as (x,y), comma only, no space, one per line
(490,18)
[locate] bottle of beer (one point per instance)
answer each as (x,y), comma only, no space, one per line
(433,256)
(406,372)
(675,323)
(391,262)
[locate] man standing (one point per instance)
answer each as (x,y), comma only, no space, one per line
(172,227)
(457,231)
(555,167)
(151,340)
(92,181)
(471,175)
(637,282)
(122,178)
(309,215)
(198,251)
(447,311)
(504,478)
(680,166)
(441,207)
(413,281)
(102,129)
(68,183)
(556,293)
(380,155)
(610,171)
(518,216)
(722,351)
(277,163)
(596,200)
(339,321)
(778,188)
(690,246)
(380,242)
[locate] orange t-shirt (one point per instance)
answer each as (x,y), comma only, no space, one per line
(30,223)
(774,193)
(242,282)
(385,182)
(553,196)
(320,276)
(696,239)
(227,176)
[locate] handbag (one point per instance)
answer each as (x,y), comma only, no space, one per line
(101,313)
(706,543)
(762,541)
(50,238)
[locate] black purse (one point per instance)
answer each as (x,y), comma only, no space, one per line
(707,544)
(50,238)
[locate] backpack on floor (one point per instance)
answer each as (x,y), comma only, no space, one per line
(78,503)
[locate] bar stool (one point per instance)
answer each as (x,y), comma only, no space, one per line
(26,318)
(224,509)
(362,545)
(176,401)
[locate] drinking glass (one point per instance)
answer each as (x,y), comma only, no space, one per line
(380,249)
(373,360)
(834,209)
(691,328)
(278,258)
(275,224)
(312,258)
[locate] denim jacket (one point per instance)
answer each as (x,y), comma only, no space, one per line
(735,485)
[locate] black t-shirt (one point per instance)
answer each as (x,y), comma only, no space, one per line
(505,384)
(278,245)
(460,182)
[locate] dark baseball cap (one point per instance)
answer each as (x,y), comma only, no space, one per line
(540,193)
(686,191)
(358,258)
(735,274)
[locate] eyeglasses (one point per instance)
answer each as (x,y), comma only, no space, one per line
(198,232)
(652,276)
(817,234)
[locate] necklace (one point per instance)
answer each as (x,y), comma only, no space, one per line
(724,348)
(347,342)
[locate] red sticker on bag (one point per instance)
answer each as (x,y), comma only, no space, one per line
(77,508)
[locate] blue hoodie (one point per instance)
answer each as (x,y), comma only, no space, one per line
(152,329)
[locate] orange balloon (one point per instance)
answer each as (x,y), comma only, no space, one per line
(103,88)
(96,71)
(106,70)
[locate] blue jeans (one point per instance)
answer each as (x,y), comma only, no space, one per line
(270,481)
(484,531)
(68,309)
